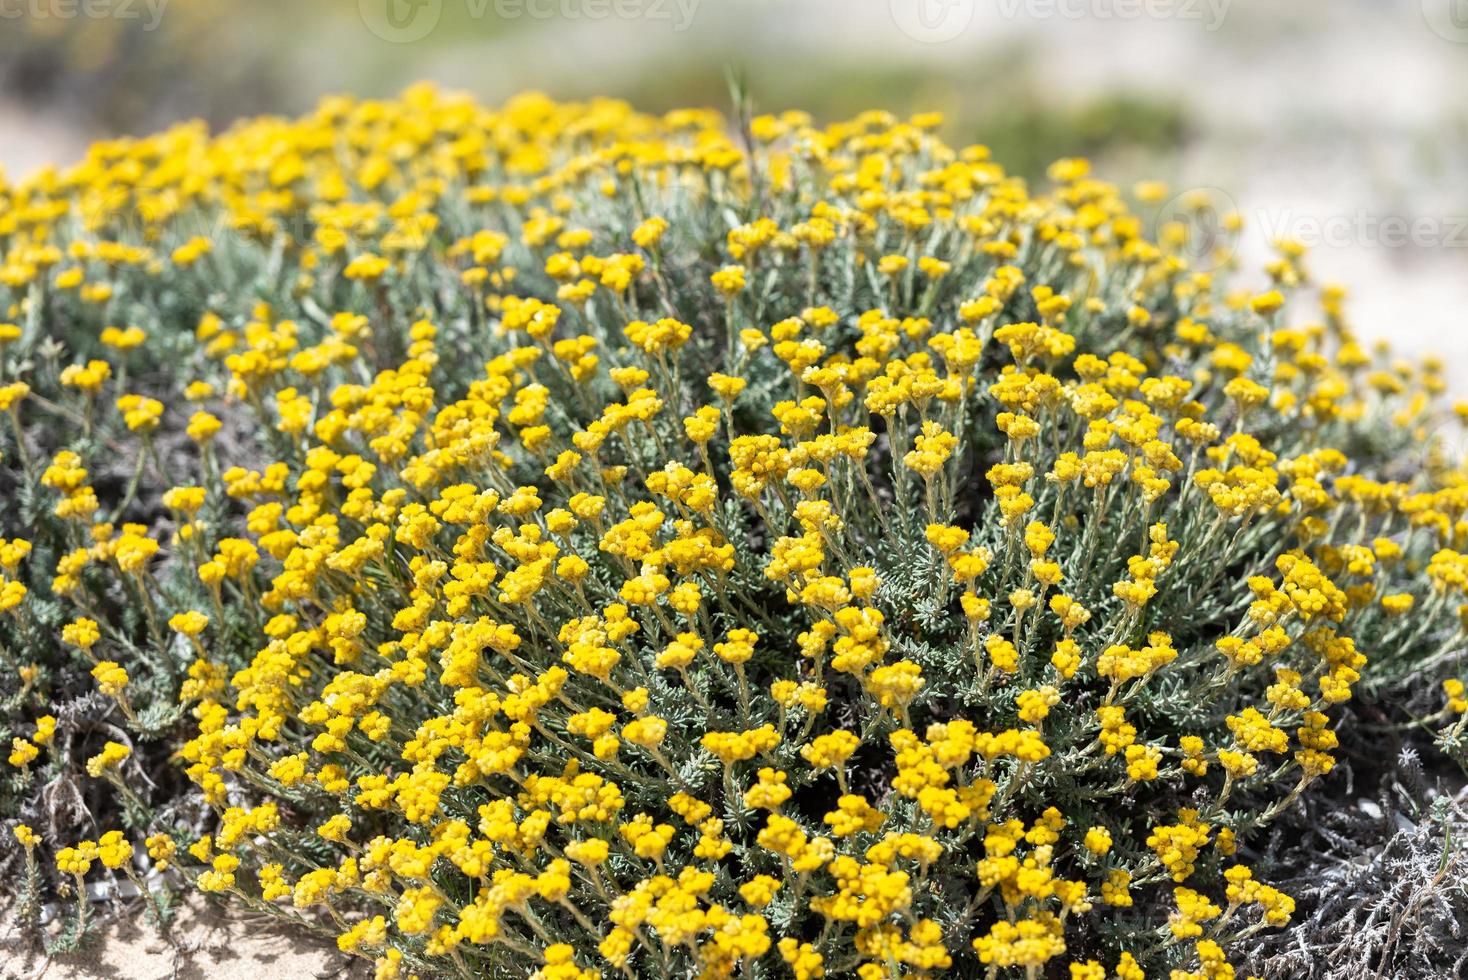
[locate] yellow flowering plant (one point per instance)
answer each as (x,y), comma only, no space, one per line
(558,539)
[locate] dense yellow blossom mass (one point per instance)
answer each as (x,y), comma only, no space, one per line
(583,542)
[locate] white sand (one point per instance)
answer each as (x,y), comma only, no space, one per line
(211,945)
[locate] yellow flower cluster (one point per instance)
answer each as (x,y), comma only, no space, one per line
(603,544)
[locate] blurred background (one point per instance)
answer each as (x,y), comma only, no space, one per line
(1343,123)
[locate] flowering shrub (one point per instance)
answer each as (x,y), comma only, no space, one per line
(566,540)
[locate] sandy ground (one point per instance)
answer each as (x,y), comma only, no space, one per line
(29,140)
(211,946)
